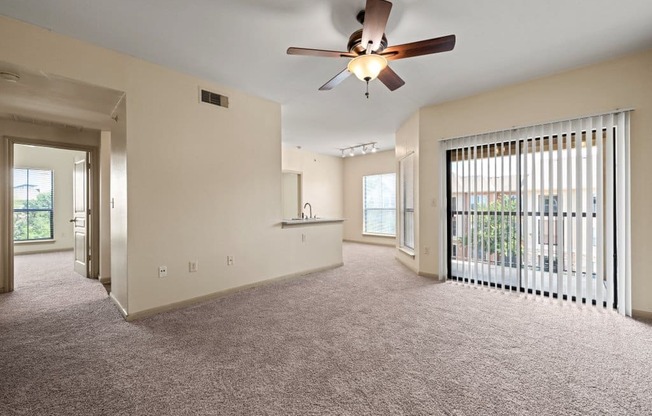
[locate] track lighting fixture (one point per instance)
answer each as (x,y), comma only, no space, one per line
(364,149)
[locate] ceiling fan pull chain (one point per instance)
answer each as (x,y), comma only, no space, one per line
(367,93)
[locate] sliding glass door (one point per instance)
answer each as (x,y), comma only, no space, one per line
(483,218)
(535,211)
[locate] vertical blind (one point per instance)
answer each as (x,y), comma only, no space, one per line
(542,210)
(406,183)
(379,204)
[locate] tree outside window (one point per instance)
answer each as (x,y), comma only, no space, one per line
(496,230)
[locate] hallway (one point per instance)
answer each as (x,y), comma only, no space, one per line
(44,280)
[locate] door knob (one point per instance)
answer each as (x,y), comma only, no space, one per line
(73,220)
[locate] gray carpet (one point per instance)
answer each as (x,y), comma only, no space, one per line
(369,338)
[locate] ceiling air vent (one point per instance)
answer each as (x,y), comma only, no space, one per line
(209,97)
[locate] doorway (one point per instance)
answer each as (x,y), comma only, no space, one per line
(54,202)
(50,192)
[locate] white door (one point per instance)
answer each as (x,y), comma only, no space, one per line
(80,217)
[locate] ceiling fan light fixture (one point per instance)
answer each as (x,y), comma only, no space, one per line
(367,67)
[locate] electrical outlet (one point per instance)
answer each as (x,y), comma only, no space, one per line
(192,266)
(229,260)
(162,271)
(303,238)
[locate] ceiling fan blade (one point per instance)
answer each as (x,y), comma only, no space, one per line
(423,47)
(319,52)
(390,78)
(376,14)
(335,81)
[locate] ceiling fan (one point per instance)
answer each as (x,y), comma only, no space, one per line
(369,50)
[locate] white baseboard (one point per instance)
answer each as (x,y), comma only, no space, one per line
(105,280)
(401,258)
(430,276)
(215,295)
(42,251)
(119,305)
(643,315)
(373,243)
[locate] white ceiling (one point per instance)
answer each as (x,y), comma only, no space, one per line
(40,97)
(242,43)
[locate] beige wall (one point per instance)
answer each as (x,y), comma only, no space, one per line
(105,205)
(407,141)
(322,180)
(291,197)
(118,218)
(354,169)
(620,83)
(190,182)
(60,162)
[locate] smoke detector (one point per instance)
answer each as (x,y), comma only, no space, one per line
(9,76)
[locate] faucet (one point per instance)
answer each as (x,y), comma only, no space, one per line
(310,206)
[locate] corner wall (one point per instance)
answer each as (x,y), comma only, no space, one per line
(190,181)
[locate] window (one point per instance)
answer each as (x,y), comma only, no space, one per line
(33,217)
(406,181)
(379,204)
(479,201)
(544,202)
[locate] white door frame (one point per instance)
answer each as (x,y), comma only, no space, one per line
(6,221)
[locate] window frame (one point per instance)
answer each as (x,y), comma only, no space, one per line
(404,209)
(365,209)
(27,211)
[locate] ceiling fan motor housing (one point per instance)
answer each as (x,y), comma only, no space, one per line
(355,43)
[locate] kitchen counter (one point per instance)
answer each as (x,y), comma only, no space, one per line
(310,221)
